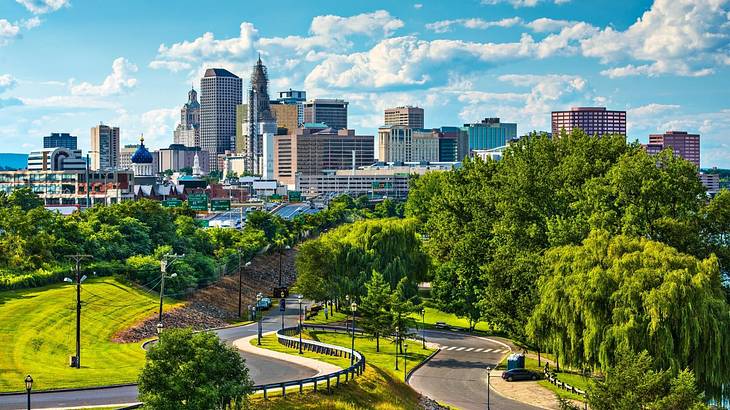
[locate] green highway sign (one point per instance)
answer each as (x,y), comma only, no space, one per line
(198,202)
(203,223)
(220,204)
(171,203)
(295,196)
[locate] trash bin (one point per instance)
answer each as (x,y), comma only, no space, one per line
(516,361)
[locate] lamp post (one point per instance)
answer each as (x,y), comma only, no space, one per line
(300,324)
(159,329)
(282,308)
(347,301)
(28,387)
(77,258)
(259,296)
(353,307)
(423,327)
(405,361)
(166,261)
(240,283)
(489,371)
(396,348)
(281,254)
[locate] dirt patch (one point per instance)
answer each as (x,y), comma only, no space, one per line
(191,315)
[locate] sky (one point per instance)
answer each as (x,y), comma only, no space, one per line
(67,65)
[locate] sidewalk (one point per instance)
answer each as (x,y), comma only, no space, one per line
(526,391)
(322,368)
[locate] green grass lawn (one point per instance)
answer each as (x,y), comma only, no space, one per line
(37,334)
(434,315)
(332,317)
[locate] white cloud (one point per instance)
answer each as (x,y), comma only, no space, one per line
(418,6)
(7,82)
(8,31)
(545,25)
(651,110)
(373,24)
(30,23)
(173,66)
(444,26)
(207,46)
(522,3)
(68,101)
(117,82)
(681,37)
(43,6)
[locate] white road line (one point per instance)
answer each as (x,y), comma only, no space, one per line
(469,349)
(487,350)
(478,350)
(460,349)
(451,348)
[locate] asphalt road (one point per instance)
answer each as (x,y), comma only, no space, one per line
(263,370)
(457,374)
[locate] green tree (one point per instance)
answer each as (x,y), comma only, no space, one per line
(375,308)
(633,384)
(187,370)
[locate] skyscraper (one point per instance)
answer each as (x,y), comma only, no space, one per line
(62,140)
(104,150)
(593,120)
(683,144)
(294,97)
(188,131)
(258,125)
(220,92)
(407,116)
(489,133)
(326,111)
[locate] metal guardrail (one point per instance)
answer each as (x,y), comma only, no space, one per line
(286,337)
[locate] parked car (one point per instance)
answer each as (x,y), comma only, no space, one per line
(264,304)
(520,374)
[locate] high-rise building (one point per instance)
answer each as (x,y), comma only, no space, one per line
(104,147)
(397,143)
(294,97)
(592,120)
(286,116)
(258,125)
(326,111)
(62,140)
(125,155)
(176,157)
(453,144)
(220,93)
(407,116)
(683,144)
(315,148)
(489,133)
(188,130)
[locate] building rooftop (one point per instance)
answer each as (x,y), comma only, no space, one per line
(219,72)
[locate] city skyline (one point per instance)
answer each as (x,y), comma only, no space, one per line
(517,60)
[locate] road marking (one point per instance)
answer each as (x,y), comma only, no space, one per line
(451,348)
(460,349)
(488,350)
(478,350)
(469,349)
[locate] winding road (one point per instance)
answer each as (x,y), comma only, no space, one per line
(457,374)
(262,370)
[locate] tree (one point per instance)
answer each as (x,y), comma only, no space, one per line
(614,292)
(633,384)
(187,370)
(22,197)
(375,308)
(401,308)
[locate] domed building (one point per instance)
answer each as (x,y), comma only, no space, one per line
(142,161)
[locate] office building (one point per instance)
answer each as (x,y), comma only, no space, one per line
(287,117)
(56,159)
(177,157)
(104,150)
(257,125)
(407,116)
(326,111)
(60,139)
(294,97)
(489,133)
(453,144)
(220,92)
(711,182)
(315,148)
(681,143)
(594,121)
(399,143)
(188,130)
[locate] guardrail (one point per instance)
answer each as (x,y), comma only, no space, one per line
(550,376)
(286,337)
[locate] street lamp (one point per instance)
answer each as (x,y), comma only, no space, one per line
(489,371)
(423,327)
(300,324)
(405,361)
(159,328)
(281,254)
(259,296)
(240,283)
(282,307)
(353,307)
(347,301)
(28,387)
(396,348)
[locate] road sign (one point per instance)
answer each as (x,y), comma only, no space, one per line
(282,304)
(220,204)
(295,196)
(203,223)
(171,203)
(198,202)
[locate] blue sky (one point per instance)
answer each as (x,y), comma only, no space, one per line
(66,65)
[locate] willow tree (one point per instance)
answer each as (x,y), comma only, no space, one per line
(613,293)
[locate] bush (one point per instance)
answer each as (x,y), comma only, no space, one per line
(38,277)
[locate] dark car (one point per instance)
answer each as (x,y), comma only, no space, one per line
(520,374)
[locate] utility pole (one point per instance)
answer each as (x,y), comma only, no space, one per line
(166,261)
(77,258)
(240,282)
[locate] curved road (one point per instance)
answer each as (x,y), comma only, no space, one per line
(457,374)
(262,370)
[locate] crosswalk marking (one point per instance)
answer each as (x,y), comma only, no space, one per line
(478,350)
(451,348)
(473,349)
(469,349)
(460,349)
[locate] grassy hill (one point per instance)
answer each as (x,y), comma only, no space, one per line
(37,334)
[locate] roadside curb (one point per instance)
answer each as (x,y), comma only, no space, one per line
(111,386)
(418,366)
